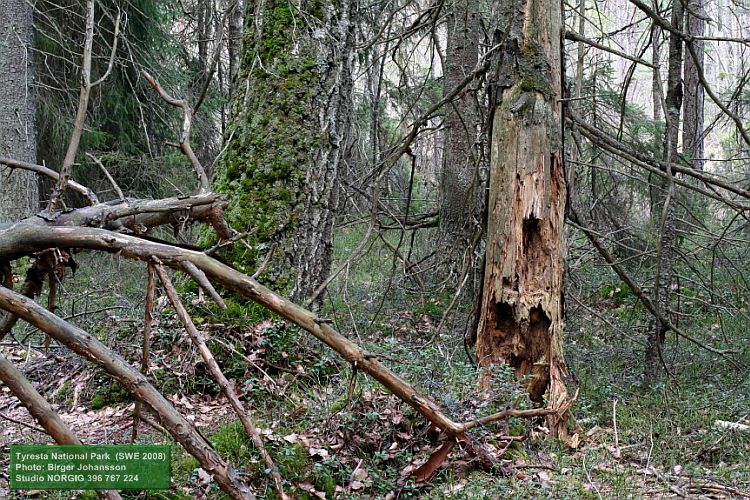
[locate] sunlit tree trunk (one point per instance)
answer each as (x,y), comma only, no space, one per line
(522,308)
(19,195)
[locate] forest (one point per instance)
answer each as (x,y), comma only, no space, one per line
(378,249)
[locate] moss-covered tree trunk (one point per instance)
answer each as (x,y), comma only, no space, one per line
(521,320)
(290,135)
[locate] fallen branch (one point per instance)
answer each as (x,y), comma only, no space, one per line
(20,239)
(226,386)
(734,426)
(93,350)
(148,321)
(40,409)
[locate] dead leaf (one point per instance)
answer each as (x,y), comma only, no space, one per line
(291,438)
(434,462)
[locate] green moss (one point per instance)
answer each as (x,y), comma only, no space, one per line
(535,70)
(273,143)
(108,394)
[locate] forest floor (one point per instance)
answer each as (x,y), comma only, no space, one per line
(338,434)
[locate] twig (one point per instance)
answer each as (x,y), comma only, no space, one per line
(637,291)
(24,424)
(112,54)
(618,453)
(109,177)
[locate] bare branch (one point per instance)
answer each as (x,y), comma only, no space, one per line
(48,172)
(200,278)
(186,124)
(108,175)
(148,321)
(83,102)
(226,386)
(115,38)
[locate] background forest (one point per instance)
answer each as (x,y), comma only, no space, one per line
(526,216)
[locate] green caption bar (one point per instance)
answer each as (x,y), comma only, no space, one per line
(89,467)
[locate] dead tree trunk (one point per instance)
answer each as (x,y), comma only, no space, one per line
(521,321)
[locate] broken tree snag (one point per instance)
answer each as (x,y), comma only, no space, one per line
(521,319)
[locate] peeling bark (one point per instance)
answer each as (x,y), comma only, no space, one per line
(522,309)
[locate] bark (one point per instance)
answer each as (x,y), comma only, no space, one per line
(459,177)
(521,322)
(692,128)
(664,214)
(234,41)
(19,194)
(289,138)
(92,349)
(314,246)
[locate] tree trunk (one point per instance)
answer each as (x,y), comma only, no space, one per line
(664,213)
(692,128)
(459,178)
(19,194)
(290,135)
(234,43)
(522,310)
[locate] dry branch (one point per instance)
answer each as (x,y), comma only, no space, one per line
(203,282)
(48,172)
(93,350)
(40,409)
(83,103)
(148,320)
(187,113)
(20,239)
(226,386)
